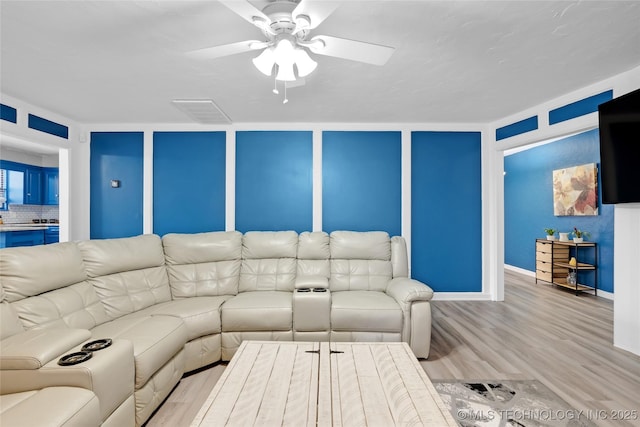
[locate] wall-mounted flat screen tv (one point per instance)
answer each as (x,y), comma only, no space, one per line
(619,148)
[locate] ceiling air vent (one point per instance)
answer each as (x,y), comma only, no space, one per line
(202,111)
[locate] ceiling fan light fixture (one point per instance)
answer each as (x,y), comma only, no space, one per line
(265,61)
(303,61)
(285,73)
(284,52)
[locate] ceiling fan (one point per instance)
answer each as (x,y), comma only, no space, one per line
(286,26)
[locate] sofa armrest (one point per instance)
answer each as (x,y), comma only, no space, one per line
(311,282)
(405,290)
(110,374)
(414,298)
(35,348)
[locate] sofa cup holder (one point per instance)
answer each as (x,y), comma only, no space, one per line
(75,358)
(97,345)
(303,290)
(319,290)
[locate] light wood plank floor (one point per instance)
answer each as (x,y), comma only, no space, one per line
(539,332)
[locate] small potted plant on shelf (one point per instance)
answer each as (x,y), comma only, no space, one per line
(550,233)
(579,235)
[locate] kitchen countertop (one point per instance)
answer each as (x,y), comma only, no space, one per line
(26,227)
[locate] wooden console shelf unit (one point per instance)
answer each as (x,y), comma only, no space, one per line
(552,263)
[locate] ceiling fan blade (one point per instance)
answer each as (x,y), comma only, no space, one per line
(354,50)
(227,49)
(317,11)
(246,10)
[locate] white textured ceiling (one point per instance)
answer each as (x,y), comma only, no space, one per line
(455,61)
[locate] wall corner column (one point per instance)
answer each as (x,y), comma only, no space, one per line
(492,217)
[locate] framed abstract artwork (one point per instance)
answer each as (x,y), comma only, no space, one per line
(575,190)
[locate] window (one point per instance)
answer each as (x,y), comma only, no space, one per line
(11,188)
(3,189)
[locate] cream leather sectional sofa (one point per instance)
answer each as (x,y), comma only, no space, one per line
(174,304)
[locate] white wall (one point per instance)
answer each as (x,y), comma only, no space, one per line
(626,277)
(36,159)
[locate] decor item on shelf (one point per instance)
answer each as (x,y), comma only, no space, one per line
(573,262)
(575,190)
(564,237)
(572,278)
(285,25)
(579,235)
(550,233)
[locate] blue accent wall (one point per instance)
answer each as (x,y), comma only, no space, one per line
(528,203)
(47,126)
(579,108)
(274,180)
(523,126)
(8,113)
(446,210)
(116,212)
(188,182)
(361,181)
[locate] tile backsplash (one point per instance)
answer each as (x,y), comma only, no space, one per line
(25,213)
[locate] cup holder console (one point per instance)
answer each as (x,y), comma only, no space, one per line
(75,358)
(97,345)
(85,353)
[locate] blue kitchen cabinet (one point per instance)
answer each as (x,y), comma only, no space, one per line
(50,182)
(12,239)
(33,186)
(51,235)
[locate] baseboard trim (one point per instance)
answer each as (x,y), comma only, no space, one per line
(601,293)
(520,270)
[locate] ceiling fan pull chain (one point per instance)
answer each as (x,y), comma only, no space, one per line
(275,84)
(285,93)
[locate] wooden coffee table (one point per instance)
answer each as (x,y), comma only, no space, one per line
(324,384)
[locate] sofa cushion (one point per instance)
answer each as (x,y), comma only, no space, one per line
(360,245)
(51,406)
(75,306)
(156,339)
(268,261)
(128,274)
(131,291)
(9,322)
(258,311)
(33,270)
(268,275)
(359,275)
(205,279)
(360,261)
(313,254)
(108,256)
(201,315)
(203,264)
(269,244)
(196,248)
(313,245)
(365,311)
